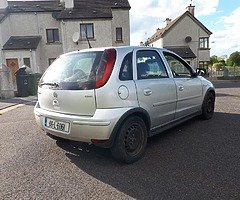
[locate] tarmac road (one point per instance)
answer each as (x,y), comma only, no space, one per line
(196,160)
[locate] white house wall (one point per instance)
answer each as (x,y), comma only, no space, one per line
(102,34)
(48,50)
(20,54)
(204,55)
(158,43)
(35,24)
(5,29)
(121,19)
(187,27)
(3,4)
(4,36)
(23,24)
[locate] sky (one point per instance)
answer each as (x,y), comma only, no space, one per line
(222,17)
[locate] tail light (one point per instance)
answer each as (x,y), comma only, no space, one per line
(105,67)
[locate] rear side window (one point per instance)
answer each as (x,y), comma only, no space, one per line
(126,72)
(150,65)
(73,71)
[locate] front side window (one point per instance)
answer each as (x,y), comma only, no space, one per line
(204,43)
(87,31)
(179,68)
(150,65)
(119,34)
(52,35)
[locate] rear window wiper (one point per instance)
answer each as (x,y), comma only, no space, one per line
(51,84)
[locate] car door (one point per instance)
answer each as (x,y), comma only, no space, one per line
(189,86)
(156,91)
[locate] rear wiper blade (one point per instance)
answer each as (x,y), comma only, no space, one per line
(51,84)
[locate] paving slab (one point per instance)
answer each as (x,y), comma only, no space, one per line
(17,100)
(4,105)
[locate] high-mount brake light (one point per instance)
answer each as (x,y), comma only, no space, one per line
(105,67)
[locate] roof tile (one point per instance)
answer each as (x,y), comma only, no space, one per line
(22,42)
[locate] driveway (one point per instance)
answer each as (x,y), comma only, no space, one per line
(196,160)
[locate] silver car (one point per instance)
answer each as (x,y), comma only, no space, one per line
(117,97)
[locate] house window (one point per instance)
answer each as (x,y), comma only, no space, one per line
(204,43)
(52,35)
(203,64)
(87,30)
(51,60)
(26,61)
(119,34)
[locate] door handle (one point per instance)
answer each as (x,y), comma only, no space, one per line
(181,88)
(147,92)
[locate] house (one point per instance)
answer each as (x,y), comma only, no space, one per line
(187,37)
(34,33)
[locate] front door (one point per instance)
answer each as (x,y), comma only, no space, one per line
(12,63)
(155,89)
(189,87)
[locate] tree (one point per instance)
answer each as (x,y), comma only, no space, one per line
(234,59)
(223,62)
(218,66)
(213,59)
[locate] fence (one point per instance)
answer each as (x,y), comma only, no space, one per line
(225,72)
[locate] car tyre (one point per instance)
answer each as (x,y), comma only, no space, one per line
(131,140)
(208,107)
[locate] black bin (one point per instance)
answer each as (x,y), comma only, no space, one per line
(22,82)
(33,83)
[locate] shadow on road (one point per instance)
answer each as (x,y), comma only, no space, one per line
(17,100)
(226,95)
(194,160)
(226,84)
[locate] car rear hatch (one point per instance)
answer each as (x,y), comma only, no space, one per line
(69,84)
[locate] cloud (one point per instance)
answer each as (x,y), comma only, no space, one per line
(149,15)
(227,39)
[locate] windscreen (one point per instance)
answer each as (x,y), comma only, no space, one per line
(73,71)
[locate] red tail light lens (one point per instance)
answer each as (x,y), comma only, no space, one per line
(105,67)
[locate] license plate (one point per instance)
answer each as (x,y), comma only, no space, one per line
(57,125)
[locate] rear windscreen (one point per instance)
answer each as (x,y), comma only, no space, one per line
(73,71)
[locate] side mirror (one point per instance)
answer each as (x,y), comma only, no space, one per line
(201,72)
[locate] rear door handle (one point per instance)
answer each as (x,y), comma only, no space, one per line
(147,92)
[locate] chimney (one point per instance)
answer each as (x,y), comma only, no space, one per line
(3,4)
(168,21)
(68,3)
(191,9)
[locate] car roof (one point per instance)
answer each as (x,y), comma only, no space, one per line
(120,48)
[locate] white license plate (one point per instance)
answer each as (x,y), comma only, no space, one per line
(57,125)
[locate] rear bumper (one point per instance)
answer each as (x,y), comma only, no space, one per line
(82,128)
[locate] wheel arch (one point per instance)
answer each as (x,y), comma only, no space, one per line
(210,90)
(140,112)
(205,113)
